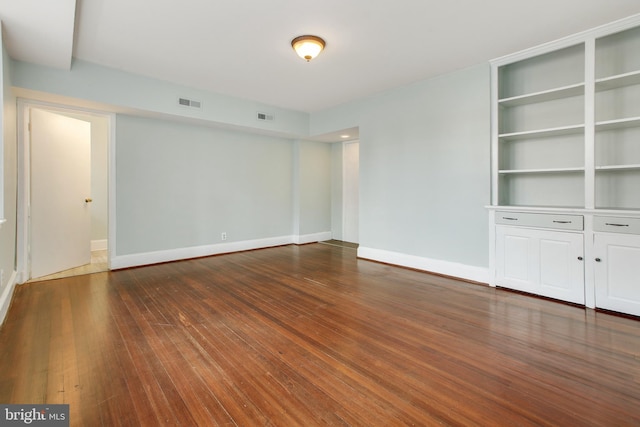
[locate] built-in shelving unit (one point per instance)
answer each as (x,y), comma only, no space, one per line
(566,141)
(617,113)
(540,128)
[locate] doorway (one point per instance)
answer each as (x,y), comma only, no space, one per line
(351,190)
(63,192)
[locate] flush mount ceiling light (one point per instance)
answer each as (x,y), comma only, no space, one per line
(307,47)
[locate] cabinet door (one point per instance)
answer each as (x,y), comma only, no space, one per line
(542,262)
(617,274)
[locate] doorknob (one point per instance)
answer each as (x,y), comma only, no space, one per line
(88,200)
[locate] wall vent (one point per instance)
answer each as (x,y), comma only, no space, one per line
(264,117)
(189,102)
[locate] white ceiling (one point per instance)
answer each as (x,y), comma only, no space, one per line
(242,48)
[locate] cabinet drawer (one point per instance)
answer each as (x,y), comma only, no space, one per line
(526,219)
(613,224)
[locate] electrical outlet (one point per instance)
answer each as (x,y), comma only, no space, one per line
(223,236)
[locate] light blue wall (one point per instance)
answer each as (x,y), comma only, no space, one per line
(424,166)
(181,186)
(181,179)
(87,81)
(313,187)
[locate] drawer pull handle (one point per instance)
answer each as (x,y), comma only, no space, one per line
(579,258)
(616,225)
(598,260)
(562,222)
(509,218)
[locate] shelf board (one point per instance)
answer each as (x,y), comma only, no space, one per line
(618,124)
(539,171)
(620,80)
(563,209)
(614,168)
(542,133)
(546,95)
(617,210)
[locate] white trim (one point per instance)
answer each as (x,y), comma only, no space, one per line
(453,269)
(111,189)
(492,248)
(7,294)
(589,253)
(99,245)
(589,124)
(495,140)
(147,258)
(22,214)
(345,196)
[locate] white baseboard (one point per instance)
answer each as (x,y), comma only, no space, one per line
(5,298)
(99,245)
(147,258)
(447,268)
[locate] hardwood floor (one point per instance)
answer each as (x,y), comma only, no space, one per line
(309,335)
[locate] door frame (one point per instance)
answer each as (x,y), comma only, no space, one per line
(23,231)
(345,168)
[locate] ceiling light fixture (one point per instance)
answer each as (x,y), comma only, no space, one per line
(307,47)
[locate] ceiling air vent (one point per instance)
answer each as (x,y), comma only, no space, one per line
(264,117)
(189,102)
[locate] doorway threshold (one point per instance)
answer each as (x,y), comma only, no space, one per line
(340,243)
(98,265)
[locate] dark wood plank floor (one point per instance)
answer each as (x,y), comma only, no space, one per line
(309,335)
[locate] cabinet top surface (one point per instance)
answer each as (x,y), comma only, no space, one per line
(566,210)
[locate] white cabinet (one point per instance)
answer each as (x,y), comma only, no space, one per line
(617,272)
(617,264)
(542,262)
(565,147)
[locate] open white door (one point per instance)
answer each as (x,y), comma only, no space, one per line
(60,192)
